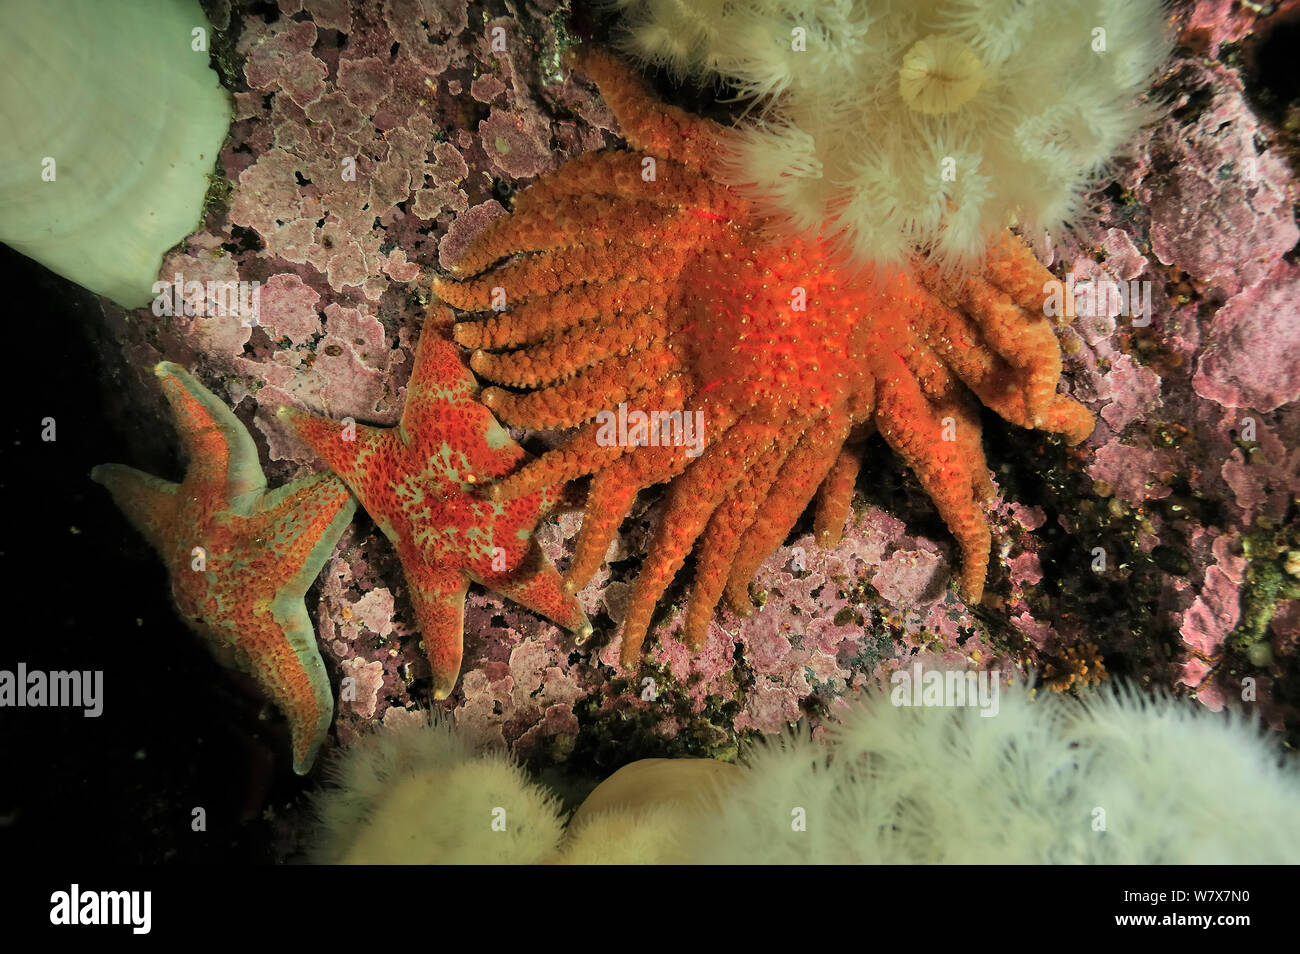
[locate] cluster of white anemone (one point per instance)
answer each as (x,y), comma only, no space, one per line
(1117,776)
(905,124)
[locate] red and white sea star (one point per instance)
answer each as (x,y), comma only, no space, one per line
(241,557)
(420,481)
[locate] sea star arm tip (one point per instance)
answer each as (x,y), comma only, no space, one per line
(438,599)
(298,684)
(149,503)
(222,455)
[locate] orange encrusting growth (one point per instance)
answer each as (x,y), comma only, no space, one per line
(663,289)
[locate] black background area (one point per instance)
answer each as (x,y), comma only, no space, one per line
(82,590)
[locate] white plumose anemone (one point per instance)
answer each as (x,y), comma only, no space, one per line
(1032,98)
(1114,777)
(1117,777)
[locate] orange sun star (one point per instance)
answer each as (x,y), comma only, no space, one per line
(647,283)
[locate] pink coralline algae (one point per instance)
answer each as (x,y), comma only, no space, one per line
(373,141)
(829,620)
(1213,614)
(1211,23)
(1251,357)
(1196,399)
(1221,209)
(1132,474)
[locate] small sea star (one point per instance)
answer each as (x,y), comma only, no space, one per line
(654,285)
(421,483)
(240,557)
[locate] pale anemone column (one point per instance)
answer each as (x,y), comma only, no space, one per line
(110,121)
